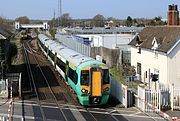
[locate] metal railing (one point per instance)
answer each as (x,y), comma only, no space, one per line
(72,43)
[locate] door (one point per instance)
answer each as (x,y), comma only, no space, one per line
(96,83)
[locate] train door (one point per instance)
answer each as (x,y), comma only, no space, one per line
(96,85)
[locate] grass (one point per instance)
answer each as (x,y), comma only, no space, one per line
(118,75)
(17,42)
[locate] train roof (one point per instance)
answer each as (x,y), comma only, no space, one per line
(42,37)
(68,54)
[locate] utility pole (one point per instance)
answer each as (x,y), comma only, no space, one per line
(54,14)
(59,11)
(54,19)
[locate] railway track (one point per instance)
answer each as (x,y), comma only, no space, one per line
(33,82)
(43,89)
(50,79)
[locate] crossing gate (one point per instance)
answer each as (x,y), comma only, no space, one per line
(156,100)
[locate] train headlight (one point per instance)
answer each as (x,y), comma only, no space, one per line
(84,91)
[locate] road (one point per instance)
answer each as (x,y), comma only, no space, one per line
(25,110)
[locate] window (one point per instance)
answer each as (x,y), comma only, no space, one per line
(61,65)
(75,77)
(71,74)
(156,54)
(45,49)
(105,76)
(146,74)
(85,77)
(51,55)
(139,68)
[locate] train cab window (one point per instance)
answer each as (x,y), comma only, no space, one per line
(71,73)
(105,76)
(75,77)
(85,77)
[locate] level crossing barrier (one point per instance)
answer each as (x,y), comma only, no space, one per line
(155,109)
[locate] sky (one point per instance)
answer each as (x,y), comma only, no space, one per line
(44,9)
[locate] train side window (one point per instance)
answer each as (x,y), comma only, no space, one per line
(45,49)
(61,65)
(85,77)
(51,55)
(105,76)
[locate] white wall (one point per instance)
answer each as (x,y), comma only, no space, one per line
(110,40)
(149,61)
(174,66)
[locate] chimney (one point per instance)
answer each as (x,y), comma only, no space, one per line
(173,15)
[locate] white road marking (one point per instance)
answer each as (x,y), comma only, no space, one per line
(75,110)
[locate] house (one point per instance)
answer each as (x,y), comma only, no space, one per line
(155,53)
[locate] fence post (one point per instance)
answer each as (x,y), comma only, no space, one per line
(143,97)
(159,109)
(172,97)
(20,85)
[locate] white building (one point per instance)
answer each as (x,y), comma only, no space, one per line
(156,56)
(111,41)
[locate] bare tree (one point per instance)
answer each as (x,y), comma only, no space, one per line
(23,19)
(65,20)
(98,20)
(6,24)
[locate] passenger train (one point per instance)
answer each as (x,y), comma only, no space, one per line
(89,78)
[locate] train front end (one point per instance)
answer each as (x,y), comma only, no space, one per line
(94,84)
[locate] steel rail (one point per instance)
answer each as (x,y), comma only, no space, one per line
(33,82)
(48,85)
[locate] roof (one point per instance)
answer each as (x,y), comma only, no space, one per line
(67,53)
(102,30)
(165,36)
(42,37)
(5,33)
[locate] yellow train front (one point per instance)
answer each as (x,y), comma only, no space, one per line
(94,84)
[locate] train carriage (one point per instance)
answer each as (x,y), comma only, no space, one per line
(42,40)
(88,77)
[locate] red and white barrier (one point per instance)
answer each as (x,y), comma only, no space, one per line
(164,115)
